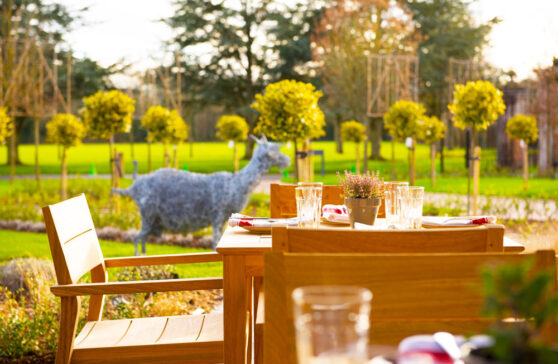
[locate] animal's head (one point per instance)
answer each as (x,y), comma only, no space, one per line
(271,152)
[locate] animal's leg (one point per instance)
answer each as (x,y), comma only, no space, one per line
(141,237)
(218,227)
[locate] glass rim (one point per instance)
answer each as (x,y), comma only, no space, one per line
(416,188)
(402,183)
(308,184)
(334,295)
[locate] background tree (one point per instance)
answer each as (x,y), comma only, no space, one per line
(346,34)
(289,111)
(232,128)
(106,113)
(523,127)
(403,121)
(21,21)
(353,131)
(244,40)
(67,131)
(164,126)
(431,131)
(476,106)
(449,30)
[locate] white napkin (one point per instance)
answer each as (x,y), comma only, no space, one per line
(379,224)
(457,221)
(336,213)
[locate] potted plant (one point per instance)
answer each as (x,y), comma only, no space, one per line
(363,196)
(513,291)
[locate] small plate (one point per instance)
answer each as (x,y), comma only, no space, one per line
(326,221)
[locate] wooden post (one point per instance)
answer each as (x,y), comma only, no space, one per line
(63,175)
(357,161)
(235,156)
(525,166)
(148,157)
(412,163)
(175,156)
(392,158)
(433,164)
(296,160)
(37,172)
(476,176)
(115,179)
(166,157)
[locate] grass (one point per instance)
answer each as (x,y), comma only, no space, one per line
(22,244)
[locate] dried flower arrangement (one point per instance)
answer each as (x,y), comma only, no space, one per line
(363,186)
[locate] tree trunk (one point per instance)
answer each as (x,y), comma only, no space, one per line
(376,139)
(175,156)
(111,161)
(525,166)
(337,134)
(63,175)
(249,148)
(149,157)
(37,171)
(166,157)
(295,159)
(433,165)
(392,158)
(18,126)
(412,163)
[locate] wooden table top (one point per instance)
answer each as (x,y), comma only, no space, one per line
(236,240)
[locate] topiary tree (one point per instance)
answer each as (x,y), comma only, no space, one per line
(476,105)
(403,121)
(67,131)
(232,128)
(523,127)
(289,111)
(164,126)
(106,113)
(431,131)
(353,131)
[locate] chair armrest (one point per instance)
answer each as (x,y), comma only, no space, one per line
(163,285)
(163,259)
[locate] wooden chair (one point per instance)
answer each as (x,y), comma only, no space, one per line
(412,294)
(75,251)
(283,202)
(487,238)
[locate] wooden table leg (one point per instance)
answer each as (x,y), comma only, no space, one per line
(236,313)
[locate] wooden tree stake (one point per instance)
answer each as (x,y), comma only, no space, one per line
(525,166)
(175,157)
(148,157)
(235,156)
(476,177)
(357,159)
(433,164)
(63,175)
(412,163)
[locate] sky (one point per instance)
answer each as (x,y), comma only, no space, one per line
(527,36)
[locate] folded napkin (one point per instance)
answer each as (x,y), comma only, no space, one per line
(335,213)
(243,220)
(457,221)
(379,224)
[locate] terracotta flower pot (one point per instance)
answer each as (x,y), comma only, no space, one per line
(363,210)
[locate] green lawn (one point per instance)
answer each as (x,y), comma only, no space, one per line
(20,244)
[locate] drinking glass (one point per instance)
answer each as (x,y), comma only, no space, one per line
(332,324)
(391,200)
(411,206)
(308,205)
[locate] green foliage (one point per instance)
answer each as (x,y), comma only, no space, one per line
(232,127)
(477,104)
(431,129)
(6,125)
(106,113)
(353,131)
(358,185)
(66,130)
(289,110)
(448,29)
(523,127)
(402,119)
(517,292)
(164,125)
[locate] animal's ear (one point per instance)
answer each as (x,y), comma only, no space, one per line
(255,139)
(264,138)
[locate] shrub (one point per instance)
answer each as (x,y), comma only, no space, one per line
(402,119)
(106,113)
(164,125)
(65,130)
(523,127)
(431,129)
(232,127)
(353,131)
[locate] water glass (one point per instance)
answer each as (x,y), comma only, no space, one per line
(309,205)
(391,200)
(332,324)
(411,200)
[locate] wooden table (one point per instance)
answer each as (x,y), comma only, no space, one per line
(242,265)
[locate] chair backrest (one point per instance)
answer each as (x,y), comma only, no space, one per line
(73,241)
(412,294)
(283,202)
(487,238)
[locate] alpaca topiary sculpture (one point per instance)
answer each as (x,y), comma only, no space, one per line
(182,202)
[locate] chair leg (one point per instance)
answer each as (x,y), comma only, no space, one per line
(68,325)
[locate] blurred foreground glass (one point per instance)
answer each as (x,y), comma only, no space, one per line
(411,200)
(332,324)
(391,200)
(309,205)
